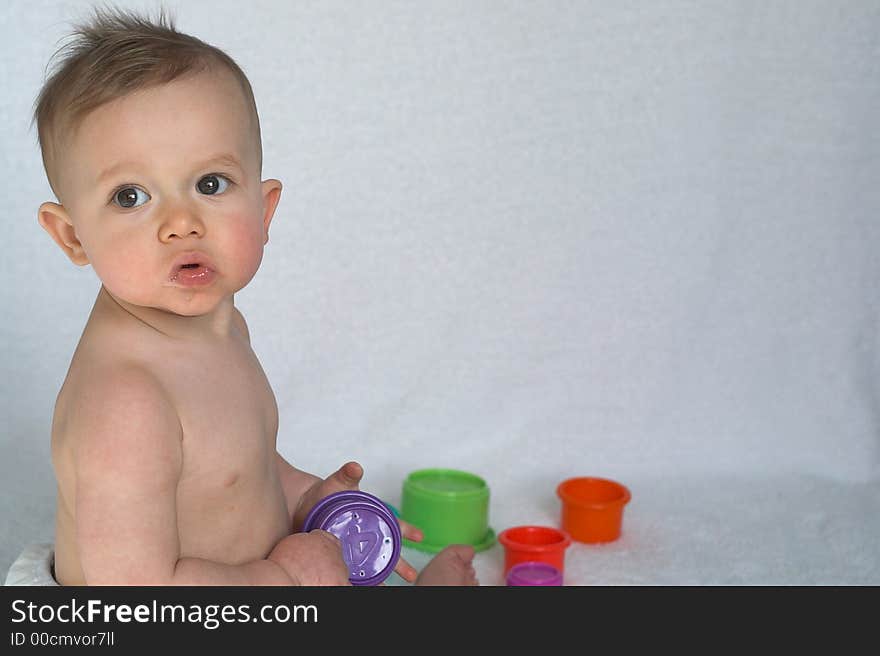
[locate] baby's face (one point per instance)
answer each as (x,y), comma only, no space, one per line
(163,189)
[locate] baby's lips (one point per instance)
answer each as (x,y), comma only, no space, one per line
(190,259)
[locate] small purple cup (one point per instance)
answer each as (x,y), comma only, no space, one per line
(368,530)
(534,573)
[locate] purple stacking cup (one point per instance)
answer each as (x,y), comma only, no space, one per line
(534,573)
(367,529)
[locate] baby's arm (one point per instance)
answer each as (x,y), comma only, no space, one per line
(303,491)
(128,460)
(295,483)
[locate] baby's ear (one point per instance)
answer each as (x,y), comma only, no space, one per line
(55,220)
(271,192)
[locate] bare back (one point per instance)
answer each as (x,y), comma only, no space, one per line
(230,506)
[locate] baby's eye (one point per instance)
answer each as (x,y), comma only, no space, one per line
(212,184)
(130,197)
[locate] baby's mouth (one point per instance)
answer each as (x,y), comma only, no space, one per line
(192,268)
(188,272)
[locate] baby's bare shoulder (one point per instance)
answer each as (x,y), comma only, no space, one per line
(108,404)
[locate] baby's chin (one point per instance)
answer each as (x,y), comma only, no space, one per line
(180,303)
(197,306)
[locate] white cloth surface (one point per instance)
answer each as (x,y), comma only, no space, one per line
(710,531)
(724,530)
(34,566)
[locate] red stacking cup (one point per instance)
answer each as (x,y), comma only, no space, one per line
(534,544)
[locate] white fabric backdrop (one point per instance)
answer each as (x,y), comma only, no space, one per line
(535,240)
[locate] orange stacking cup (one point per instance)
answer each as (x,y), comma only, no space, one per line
(543,544)
(592,508)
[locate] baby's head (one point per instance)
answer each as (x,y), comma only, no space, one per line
(113,56)
(151,142)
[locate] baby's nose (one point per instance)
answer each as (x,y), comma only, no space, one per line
(181,223)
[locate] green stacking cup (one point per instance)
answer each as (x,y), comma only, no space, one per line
(449,506)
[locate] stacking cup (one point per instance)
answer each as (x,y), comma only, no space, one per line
(533,573)
(367,529)
(541,544)
(592,508)
(449,506)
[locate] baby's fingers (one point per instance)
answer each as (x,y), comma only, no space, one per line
(349,476)
(410,532)
(406,571)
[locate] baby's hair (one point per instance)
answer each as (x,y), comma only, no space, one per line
(116,53)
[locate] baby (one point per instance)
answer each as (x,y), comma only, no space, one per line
(163,438)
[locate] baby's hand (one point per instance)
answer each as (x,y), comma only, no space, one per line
(347,477)
(313,558)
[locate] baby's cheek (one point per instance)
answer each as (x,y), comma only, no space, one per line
(121,271)
(247,250)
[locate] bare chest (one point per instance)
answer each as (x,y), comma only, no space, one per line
(228,415)
(228,493)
